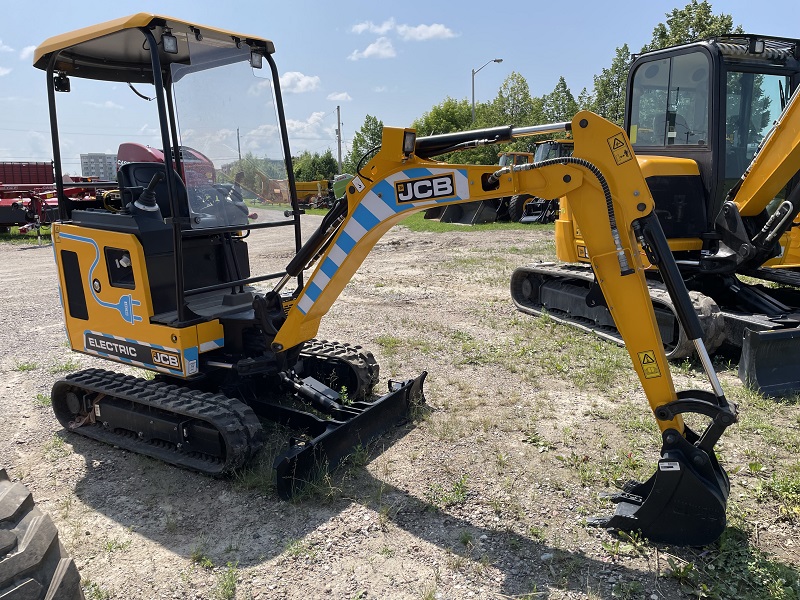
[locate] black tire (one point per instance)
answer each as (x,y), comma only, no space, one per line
(33,562)
(516,207)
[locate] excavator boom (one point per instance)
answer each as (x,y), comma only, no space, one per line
(612,204)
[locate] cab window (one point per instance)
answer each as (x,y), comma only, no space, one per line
(670,102)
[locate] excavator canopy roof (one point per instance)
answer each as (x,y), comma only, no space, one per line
(117,51)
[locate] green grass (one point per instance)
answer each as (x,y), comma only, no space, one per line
(199,557)
(65,367)
(226,585)
(732,568)
(300,549)
(25,367)
(783,487)
(15,237)
(43,400)
(440,497)
(114,544)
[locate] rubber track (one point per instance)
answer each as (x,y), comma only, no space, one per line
(711,319)
(236,422)
(361,362)
(33,562)
(782,276)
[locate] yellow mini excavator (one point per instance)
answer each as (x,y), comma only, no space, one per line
(714,125)
(164,282)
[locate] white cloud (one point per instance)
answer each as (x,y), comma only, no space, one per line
(308,128)
(4,71)
(106,104)
(381,29)
(420,33)
(26,52)
(295,82)
(380,48)
(380,89)
(339,97)
(5,48)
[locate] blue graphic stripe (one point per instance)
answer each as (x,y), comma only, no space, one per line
(363,217)
(313,291)
(384,189)
(417,172)
(345,242)
(329,267)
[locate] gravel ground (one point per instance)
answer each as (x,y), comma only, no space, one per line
(484,497)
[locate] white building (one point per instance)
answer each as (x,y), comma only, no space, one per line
(97,164)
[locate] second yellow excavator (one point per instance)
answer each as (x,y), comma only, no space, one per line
(715,126)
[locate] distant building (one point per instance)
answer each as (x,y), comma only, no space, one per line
(97,164)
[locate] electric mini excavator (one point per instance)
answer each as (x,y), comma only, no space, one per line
(164,282)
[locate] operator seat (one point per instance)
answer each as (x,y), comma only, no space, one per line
(133,177)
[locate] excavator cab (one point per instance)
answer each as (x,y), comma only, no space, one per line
(712,102)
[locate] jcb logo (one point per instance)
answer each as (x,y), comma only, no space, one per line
(428,188)
(162,358)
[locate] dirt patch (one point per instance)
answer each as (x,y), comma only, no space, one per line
(484,497)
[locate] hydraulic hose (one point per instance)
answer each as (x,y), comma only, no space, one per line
(625,268)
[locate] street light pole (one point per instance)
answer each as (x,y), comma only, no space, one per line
(474,71)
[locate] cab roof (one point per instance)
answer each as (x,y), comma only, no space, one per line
(117,51)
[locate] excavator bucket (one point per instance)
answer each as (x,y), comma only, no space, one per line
(471,213)
(682,504)
(540,211)
(770,361)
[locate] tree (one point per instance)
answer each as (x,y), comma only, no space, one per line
(365,139)
(514,105)
(609,87)
(315,167)
(447,117)
(559,105)
(694,21)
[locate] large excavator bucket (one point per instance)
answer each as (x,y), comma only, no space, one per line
(471,213)
(770,361)
(682,504)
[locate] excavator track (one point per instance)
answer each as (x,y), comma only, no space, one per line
(205,432)
(560,292)
(782,276)
(340,365)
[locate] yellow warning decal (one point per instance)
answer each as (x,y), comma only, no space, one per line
(619,148)
(649,364)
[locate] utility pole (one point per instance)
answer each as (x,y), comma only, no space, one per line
(239,146)
(339,135)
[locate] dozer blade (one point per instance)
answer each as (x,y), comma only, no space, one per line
(682,504)
(334,440)
(770,361)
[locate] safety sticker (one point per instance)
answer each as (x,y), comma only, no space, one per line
(358,184)
(649,364)
(619,148)
(672,465)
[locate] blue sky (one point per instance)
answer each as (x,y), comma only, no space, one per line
(390,60)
